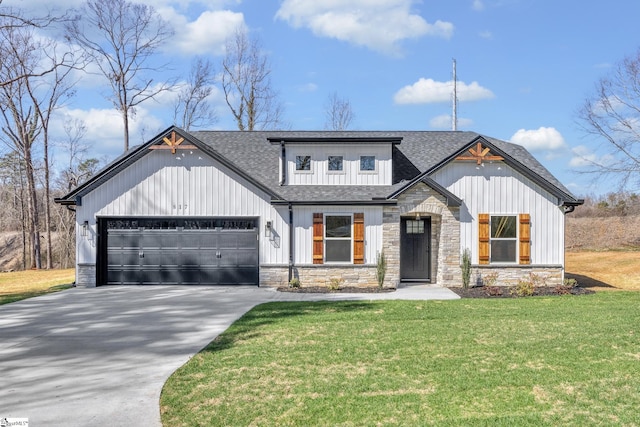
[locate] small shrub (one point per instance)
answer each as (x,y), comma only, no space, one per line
(335,284)
(466,268)
(537,280)
(493,291)
(381,269)
(562,290)
(490,280)
(294,283)
(524,288)
(566,287)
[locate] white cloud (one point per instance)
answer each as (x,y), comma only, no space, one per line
(543,138)
(478,5)
(486,34)
(379,25)
(105,128)
(444,122)
(205,35)
(308,87)
(583,156)
(426,91)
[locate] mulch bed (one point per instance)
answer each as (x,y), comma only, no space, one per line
(508,292)
(342,290)
(475,292)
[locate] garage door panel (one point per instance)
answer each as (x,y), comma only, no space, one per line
(246,258)
(125,239)
(123,257)
(191,258)
(174,251)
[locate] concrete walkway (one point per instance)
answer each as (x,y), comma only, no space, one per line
(99,357)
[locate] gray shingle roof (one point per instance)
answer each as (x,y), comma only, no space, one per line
(419,154)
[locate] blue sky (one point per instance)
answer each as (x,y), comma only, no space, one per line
(524,67)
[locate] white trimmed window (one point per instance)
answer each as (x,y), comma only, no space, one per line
(367,163)
(504,239)
(335,163)
(338,238)
(303,163)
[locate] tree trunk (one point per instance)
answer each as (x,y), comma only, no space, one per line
(23,229)
(32,200)
(125,120)
(47,201)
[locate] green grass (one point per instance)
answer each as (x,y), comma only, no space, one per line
(19,285)
(18,296)
(534,361)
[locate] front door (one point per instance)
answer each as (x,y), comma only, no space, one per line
(415,249)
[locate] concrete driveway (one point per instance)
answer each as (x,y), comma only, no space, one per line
(99,357)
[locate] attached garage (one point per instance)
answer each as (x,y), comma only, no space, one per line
(178,251)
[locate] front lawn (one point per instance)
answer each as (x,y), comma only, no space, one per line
(571,360)
(18,285)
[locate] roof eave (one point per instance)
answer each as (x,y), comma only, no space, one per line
(334,140)
(142,150)
(512,162)
(451,199)
(372,202)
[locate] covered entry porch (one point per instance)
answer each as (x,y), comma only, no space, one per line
(421,237)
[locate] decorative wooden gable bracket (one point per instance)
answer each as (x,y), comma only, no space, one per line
(173,142)
(480,154)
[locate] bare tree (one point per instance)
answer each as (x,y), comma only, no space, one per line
(47,95)
(120,37)
(77,171)
(12,177)
(246,82)
(612,114)
(192,108)
(79,168)
(27,101)
(21,125)
(338,113)
(11,18)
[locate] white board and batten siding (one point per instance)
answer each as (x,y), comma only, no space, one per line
(498,189)
(303,225)
(186,184)
(350,175)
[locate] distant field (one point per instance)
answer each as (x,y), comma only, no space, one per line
(19,285)
(607,270)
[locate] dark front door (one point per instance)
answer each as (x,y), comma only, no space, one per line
(415,249)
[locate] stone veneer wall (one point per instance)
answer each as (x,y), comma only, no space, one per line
(274,276)
(511,275)
(320,275)
(445,234)
(86,276)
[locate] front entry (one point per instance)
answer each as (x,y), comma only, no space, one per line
(415,249)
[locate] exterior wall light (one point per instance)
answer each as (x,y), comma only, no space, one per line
(85,227)
(268,229)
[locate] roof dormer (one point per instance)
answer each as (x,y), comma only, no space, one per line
(336,160)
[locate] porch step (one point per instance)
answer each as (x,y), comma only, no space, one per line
(418,285)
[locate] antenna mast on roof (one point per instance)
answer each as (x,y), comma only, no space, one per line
(454,114)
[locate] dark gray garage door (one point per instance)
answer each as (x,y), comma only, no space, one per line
(220,251)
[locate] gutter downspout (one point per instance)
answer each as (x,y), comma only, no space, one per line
(283,165)
(290,241)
